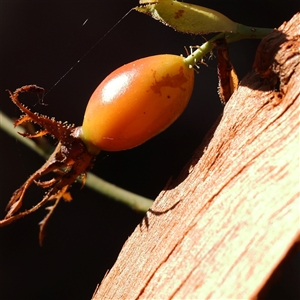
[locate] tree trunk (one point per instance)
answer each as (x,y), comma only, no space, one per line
(220,229)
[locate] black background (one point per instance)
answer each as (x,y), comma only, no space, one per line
(40,41)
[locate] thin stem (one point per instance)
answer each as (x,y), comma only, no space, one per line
(243,32)
(136,202)
(202,50)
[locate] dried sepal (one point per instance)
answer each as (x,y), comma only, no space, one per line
(43,224)
(22,119)
(69,160)
(60,131)
(36,135)
(228,79)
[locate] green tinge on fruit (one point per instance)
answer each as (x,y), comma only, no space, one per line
(187,18)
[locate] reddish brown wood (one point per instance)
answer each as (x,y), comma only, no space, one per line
(221,229)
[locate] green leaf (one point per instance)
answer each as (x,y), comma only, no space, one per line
(187,18)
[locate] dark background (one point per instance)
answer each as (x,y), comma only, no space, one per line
(40,41)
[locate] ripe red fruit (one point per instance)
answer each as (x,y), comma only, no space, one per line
(136,102)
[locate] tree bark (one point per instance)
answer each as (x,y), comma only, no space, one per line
(220,229)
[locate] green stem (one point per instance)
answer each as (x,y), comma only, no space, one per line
(243,32)
(134,201)
(95,183)
(247,32)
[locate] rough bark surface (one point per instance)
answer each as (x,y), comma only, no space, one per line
(221,229)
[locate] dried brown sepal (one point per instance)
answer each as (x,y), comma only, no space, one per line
(43,224)
(60,131)
(36,135)
(228,79)
(69,160)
